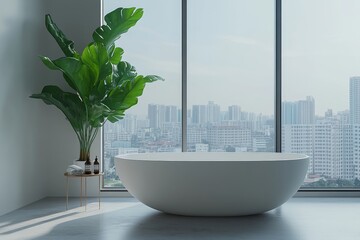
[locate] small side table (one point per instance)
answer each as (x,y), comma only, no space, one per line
(85,176)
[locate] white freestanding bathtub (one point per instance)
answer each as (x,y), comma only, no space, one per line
(212,184)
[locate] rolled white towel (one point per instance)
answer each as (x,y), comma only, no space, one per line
(74,170)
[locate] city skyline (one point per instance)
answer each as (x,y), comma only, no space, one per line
(226,108)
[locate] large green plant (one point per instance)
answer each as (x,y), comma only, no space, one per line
(103,85)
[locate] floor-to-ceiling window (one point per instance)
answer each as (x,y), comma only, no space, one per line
(230,82)
(321,89)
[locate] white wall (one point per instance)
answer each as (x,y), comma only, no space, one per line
(36,142)
(77,19)
(20,141)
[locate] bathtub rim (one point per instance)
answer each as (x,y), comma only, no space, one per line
(215,155)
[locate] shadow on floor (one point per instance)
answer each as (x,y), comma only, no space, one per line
(37,214)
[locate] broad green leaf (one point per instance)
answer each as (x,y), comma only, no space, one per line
(66,45)
(115,98)
(47,62)
(117,22)
(153,78)
(80,75)
(51,65)
(103,88)
(122,72)
(97,114)
(69,103)
(96,57)
(116,55)
(116,116)
(125,96)
(69,81)
(136,89)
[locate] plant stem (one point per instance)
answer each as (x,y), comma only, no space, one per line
(87,136)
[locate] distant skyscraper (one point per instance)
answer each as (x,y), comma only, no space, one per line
(354,100)
(306,111)
(213,112)
(234,113)
(199,114)
(288,113)
(156,115)
(299,112)
(354,91)
(161,115)
(171,114)
(195,115)
(153,115)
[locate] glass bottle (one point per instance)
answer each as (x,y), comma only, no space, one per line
(96,166)
(88,166)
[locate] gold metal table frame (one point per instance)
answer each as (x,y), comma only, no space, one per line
(85,176)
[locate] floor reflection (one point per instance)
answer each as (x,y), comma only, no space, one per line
(158,225)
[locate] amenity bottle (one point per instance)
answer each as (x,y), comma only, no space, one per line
(96,166)
(88,167)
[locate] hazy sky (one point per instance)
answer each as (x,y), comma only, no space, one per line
(231,51)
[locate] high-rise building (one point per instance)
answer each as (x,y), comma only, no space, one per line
(299,112)
(171,114)
(306,111)
(299,138)
(213,112)
(129,124)
(199,114)
(333,150)
(354,100)
(153,115)
(235,136)
(328,144)
(288,113)
(356,150)
(234,113)
(161,115)
(156,115)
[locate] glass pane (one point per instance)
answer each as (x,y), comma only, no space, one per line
(231,75)
(153,46)
(321,89)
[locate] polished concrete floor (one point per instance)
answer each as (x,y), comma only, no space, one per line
(127,219)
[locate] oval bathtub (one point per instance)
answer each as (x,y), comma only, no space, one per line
(212,184)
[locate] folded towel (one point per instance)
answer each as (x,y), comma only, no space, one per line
(74,170)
